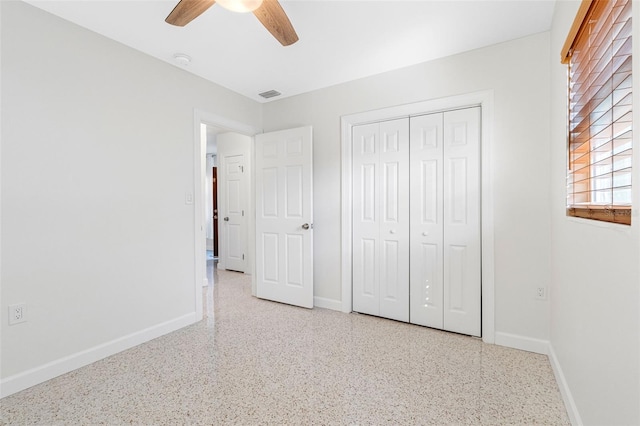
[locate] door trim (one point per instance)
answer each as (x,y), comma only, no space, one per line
(199,176)
(484,99)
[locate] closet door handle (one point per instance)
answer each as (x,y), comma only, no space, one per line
(392,232)
(425,233)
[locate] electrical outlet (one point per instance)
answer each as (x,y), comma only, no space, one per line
(17,313)
(541,293)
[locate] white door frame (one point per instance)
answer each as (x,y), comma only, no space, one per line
(199,216)
(484,99)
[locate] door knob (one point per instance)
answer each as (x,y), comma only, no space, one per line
(392,232)
(226,219)
(306,226)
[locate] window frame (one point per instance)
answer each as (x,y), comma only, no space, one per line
(607,212)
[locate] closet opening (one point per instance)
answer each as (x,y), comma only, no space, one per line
(417,228)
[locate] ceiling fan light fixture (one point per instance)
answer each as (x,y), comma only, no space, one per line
(270,14)
(241,6)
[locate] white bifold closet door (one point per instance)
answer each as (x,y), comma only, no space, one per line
(445,221)
(416,220)
(381,219)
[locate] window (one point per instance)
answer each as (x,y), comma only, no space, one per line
(598,52)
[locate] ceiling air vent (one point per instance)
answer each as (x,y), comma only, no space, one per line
(270,94)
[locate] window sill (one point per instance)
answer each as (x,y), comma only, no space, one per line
(619,214)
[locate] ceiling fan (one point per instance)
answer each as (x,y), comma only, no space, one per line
(268,12)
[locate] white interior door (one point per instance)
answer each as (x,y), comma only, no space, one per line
(427,221)
(234,213)
(394,223)
(366,222)
(284,216)
(381,219)
(445,221)
(462,239)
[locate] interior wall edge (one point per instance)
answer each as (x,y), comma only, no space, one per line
(565,391)
(48,371)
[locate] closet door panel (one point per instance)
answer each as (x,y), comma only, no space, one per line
(426,240)
(366,219)
(426,298)
(394,223)
(462,239)
(416,220)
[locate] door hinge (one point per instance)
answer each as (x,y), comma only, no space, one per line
(241,169)
(214,179)
(243,257)
(242,212)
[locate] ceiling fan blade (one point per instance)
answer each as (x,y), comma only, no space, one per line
(188,10)
(274,19)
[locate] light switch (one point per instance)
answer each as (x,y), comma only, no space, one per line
(188,197)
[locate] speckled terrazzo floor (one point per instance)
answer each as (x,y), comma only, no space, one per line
(255,362)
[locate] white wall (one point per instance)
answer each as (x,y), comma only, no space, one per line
(97,156)
(595,332)
(520,162)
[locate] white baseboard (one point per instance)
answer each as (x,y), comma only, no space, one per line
(567,397)
(321,302)
(523,343)
(24,380)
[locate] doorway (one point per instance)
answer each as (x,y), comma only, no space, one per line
(207,129)
(241,143)
(210,184)
(211,226)
(214,203)
(226,204)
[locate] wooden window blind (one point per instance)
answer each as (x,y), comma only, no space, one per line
(598,52)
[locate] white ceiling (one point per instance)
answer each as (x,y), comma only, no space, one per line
(339,40)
